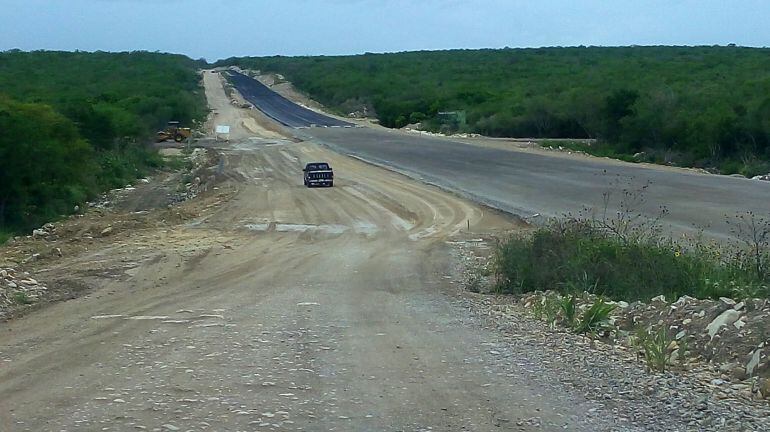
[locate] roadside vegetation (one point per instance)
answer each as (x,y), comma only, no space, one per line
(76,124)
(624,256)
(616,275)
(687,106)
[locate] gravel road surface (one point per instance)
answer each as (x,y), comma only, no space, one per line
(283,308)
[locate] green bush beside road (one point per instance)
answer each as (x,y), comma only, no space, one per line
(576,255)
(76,124)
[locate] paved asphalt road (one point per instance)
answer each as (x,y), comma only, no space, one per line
(279,108)
(527,183)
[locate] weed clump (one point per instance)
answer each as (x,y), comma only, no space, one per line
(21,298)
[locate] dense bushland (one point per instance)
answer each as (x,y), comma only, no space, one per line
(74,124)
(695,106)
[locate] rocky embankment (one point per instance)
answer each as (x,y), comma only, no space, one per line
(716,353)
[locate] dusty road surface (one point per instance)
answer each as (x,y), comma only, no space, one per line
(285,308)
(243,123)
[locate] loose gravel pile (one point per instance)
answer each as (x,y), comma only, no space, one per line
(16,289)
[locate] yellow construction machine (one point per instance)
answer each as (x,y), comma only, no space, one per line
(173,131)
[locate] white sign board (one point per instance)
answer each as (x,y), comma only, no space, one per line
(223,129)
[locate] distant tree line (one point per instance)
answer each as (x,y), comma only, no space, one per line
(75,124)
(695,106)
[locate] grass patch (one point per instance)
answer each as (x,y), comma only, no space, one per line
(595,318)
(656,346)
(580,255)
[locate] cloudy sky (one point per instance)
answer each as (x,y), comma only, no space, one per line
(217,29)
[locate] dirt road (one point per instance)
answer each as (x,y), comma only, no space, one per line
(243,123)
(282,308)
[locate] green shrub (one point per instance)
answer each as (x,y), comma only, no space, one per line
(547,309)
(577,256)
(76,124)
(595,318)
(21,298)
(655,345)
(568,310)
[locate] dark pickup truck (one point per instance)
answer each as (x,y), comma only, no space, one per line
(318,174)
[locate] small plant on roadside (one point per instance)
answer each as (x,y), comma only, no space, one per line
(568,310)
(595,318)
(655,345)
(551,309)
(538,309)
(546,308)
(21,298)
(753,231)
(474,280)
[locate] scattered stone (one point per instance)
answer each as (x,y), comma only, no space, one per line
(764,388)
(724,319)
(754,361)
(727,301)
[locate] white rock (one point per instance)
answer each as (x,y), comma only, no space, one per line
(725,318)
(753,362)
(727,301)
